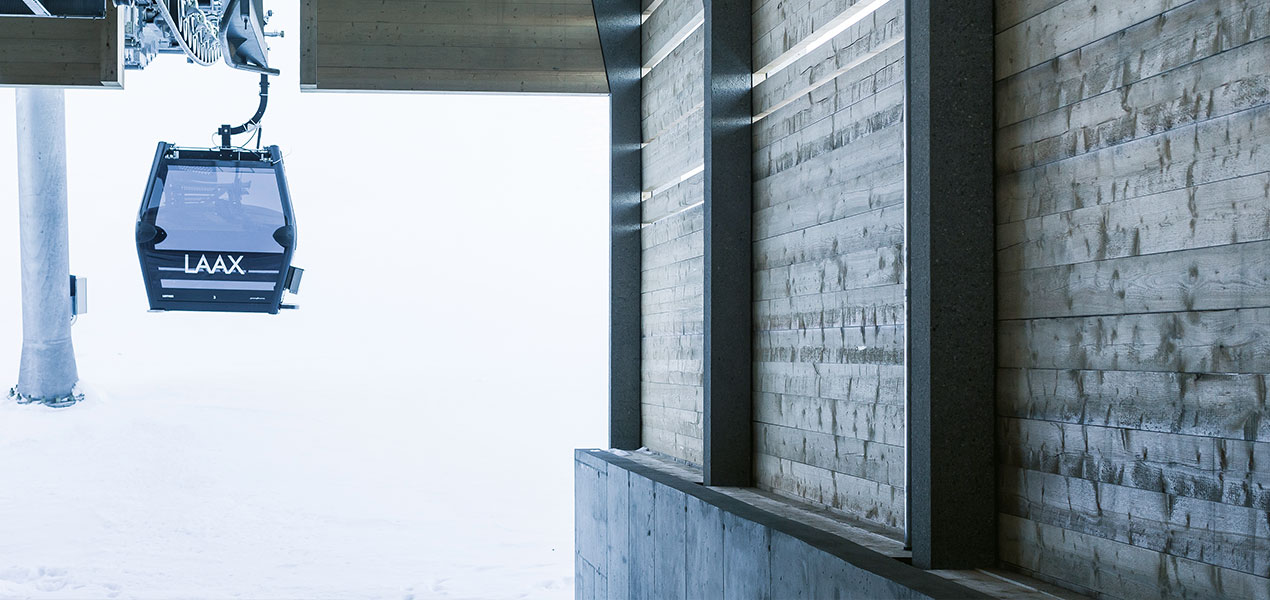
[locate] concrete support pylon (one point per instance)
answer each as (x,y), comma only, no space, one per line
(47,371)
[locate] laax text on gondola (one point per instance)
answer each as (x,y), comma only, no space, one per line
(202,265)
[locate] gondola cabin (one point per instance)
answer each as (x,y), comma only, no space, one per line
(216,232)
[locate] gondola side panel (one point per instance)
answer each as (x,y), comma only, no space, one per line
(531,46)
(214,281)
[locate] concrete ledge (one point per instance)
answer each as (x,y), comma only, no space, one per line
(681,539)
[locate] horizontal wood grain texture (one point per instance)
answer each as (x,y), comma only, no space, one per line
(1205,152)
(861,498)
(675,306)
(855,422)
(862,231)
(510,46)
(671,390)
(857,270)
(31,30)
(671,306)
(58,52)
(1133,258)
(672,359)
(1068,26)
(683,447)
(881,344)
(449,80)
(682,397)
(587,60)
(1230,211)
(1213,469)
(1191,32)
(658,433)
(1215,405)
(672,275)
(846,51)
(879,114)
(804,107)
(828,255)
(1228,536)
(1222,341)
(673,239)
(780,26)
(820,180)
(1080,561)
(666,26)
(680,196)
(675,152)
(675,87)
(670,228)
(673,311)
(848,455)
(681,422)
(851,382)
(876,186)
(1012,12)
(1217,86)
(46,73)
(441,12)
(676,251)
(878,305)
(1205,279)
(462,35)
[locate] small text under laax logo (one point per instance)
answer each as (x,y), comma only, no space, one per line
(218,266)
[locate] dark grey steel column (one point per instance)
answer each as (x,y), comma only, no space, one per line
(618,23)
(951,277)
(728,208)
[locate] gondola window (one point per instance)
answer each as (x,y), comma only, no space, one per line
(209,207)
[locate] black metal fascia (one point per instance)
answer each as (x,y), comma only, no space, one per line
(618,23)
(728,437)
(951,283)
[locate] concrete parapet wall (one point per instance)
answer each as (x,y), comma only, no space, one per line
(644,533)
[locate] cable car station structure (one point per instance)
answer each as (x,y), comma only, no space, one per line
(909,298)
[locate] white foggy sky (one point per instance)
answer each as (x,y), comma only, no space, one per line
(478,221)
(455,256)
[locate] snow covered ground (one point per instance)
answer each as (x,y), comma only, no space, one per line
(406,434)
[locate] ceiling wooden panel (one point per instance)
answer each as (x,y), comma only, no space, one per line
(74,52)
(535,46)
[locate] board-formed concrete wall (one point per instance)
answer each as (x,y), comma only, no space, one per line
(829,255)
(828,247)
(672,284)
(644,534)
(1133,209)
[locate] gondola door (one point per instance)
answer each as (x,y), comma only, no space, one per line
(216,231)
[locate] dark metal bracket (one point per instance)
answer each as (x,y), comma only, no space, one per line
(253,123)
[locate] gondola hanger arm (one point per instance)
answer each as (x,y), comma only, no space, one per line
(253,123)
